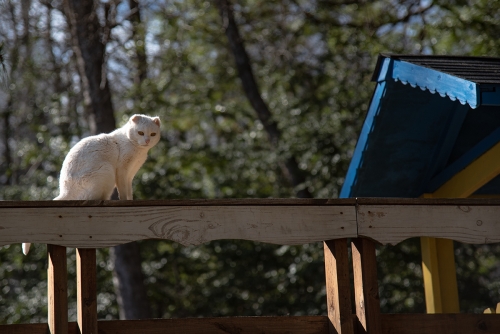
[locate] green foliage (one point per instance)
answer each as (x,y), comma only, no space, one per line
(312,61)
(225,278)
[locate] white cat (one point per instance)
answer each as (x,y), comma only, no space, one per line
(96,164)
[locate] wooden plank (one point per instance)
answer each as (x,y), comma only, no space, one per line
(385,220)
(25,329)
(465,223)
(338,287)
(428,201)
(440,323)
(86,290)
(366,295)
(491,200)
(95,227)
(57,289)
(240,325)
(391,324)
(184,202)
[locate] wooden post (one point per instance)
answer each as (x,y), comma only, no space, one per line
(57,289)
(438,268)
(86,290)
(440,280)
(338,287)
(366,286)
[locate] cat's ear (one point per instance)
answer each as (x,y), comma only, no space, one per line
(156,120)
(135,118)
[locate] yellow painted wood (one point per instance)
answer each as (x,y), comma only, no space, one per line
(438,258)
(440,281)
(477,174)
(486,196)
(431,275)
(447,276)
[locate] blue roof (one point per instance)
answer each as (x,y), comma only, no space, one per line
(429,117)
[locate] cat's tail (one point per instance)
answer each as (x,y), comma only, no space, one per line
(27,245)
(26,248)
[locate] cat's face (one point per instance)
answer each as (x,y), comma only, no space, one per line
(144,130)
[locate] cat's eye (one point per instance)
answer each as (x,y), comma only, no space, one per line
(141,133)
(153,134)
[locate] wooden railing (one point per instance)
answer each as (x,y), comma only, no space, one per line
(88,225)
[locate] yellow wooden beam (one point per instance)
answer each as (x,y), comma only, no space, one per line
(440,280)
(430,271)
(438,256)
(477,174)
(439,273)
(485,196)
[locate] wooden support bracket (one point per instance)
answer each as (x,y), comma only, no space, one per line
(57,293)
(338,287)
(86,281)
(366,286)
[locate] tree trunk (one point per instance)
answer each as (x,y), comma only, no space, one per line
(290,169)
(6,138)
(88,38)
(138,36)
(129,281)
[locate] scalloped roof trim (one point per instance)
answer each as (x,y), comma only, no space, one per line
(426,78)
(441,92)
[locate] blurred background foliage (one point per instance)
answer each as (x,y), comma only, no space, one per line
(312,61)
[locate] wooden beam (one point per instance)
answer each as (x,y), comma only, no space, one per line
(241,325)
(366,294)
(57,290)
(439,273)
(390,224)
(26,329)
(250,202)
(95,227)
(440,323)
(183,202)
(391,323)
(472,224)
(385,220)
(338,287)
(474,176)
(430,273)
(86,290)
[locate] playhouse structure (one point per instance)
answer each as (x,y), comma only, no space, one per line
(431,133)
(432,130)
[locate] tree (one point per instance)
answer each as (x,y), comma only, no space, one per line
(89,43)
(289,167)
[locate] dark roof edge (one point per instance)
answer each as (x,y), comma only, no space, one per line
(409,57)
